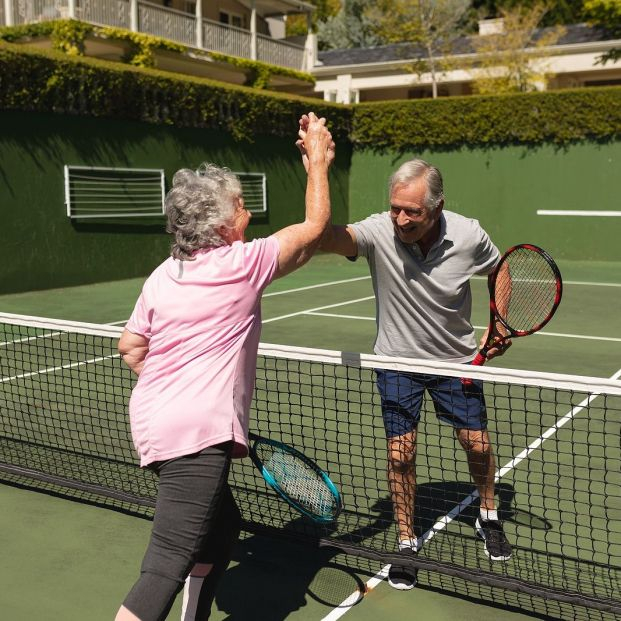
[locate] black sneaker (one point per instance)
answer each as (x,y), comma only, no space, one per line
(496,545)
(402,577)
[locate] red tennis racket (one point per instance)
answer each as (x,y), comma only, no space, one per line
(525,290)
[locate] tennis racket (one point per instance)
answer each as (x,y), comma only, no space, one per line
(525,290)
(296,478)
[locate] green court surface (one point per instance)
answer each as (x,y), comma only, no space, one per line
(73,560)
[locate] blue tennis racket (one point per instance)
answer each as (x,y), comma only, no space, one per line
(296,478)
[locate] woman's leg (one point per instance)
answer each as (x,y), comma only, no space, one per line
(191,490)
(212,561)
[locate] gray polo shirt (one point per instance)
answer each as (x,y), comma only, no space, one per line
(423,304)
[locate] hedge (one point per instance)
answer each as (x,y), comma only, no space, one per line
(51,81)
(557,117)
(48,81)
(69,36)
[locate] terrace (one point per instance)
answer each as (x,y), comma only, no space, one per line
(251,29)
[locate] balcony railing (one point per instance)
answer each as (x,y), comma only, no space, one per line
(279,52)
(104,12)
(159,21)
(226,39)
(168,24)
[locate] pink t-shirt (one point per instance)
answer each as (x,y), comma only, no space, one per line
(203,322)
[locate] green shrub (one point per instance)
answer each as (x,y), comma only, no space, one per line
(68,35)
(48,81)
(530,118)
(31,79)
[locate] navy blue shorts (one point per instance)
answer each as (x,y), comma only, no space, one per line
(402,392)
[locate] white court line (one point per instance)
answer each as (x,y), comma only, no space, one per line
(577,212)
(323,284)
(557,334)
(443,522)
(568,336)
(319,308)
(350,601)
(586,283)
(29,338)
(315,313)
(49,335)
(595,284)
(53,369)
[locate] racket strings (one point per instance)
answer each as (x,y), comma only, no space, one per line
(299,481)
(527,297)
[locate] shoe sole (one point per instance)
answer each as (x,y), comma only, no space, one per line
(480,535)
(400,586)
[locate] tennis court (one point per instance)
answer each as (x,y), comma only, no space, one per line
(564,489)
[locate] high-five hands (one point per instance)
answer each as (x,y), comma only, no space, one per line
(309,124)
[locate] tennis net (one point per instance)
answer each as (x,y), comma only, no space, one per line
(64,394)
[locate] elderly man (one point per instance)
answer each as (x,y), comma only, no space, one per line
(421,258)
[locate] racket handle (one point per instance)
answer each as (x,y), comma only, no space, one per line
(479,360)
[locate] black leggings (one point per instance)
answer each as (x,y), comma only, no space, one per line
(196,521)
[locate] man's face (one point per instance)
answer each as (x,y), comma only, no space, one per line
(412,221)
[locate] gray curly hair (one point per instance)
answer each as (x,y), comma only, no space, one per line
(199,203)
(412,171)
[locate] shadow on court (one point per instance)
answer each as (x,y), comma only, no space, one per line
(275,577)
(436,499)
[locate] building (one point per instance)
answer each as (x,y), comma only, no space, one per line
(249,29)
(382,73)
(255,30)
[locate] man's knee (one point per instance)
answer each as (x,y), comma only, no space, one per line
(475,442)
(401,463)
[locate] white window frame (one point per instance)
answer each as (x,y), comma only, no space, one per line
(251,181)
(153,199)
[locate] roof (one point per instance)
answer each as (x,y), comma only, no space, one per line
(575,34)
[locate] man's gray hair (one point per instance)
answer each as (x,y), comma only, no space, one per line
(412,171)
(198,204)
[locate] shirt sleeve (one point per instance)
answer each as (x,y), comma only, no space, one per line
(261,260)
(140,320)
(366,232)
(486,254)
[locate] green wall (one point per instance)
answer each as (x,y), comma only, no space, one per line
(504,187)
(42,248)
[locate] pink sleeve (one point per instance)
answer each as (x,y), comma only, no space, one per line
(140,320)
(261,260)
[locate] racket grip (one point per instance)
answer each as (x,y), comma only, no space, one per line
(479,360)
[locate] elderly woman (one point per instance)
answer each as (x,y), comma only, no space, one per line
(192,340)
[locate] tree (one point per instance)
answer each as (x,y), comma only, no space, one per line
(511,61)
(607,15)
(559,11)
(297,24)
(351,27)
(431,24)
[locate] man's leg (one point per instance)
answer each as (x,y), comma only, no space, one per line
(402,482)
(402,395)
(481,463)
(482,467)
(465,410)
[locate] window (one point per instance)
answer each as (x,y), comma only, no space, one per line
(96,192)
(232,19)
(254,188)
